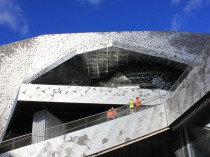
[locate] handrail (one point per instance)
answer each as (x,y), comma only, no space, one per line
(101,117)
(153,98)
(186,72)
(183,75)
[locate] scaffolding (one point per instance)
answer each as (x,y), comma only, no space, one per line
(100,63)
(113,66)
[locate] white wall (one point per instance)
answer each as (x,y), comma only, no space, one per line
(82,94)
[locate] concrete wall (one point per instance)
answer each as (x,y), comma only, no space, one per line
(99,137)
(193,87)
(81,94)
(38,126)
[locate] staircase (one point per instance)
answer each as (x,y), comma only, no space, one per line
(92,134)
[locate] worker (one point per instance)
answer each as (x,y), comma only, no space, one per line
(138,103)
(110,115)
(131,105)
(114,113)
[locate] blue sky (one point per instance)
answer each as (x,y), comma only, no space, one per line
(23,19)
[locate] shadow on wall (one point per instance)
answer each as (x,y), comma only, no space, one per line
(165,144)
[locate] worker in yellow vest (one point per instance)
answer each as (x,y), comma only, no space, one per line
(131,105)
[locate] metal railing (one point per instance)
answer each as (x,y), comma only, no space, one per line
(55,131)
(180,79)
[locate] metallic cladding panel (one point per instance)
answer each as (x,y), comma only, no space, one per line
(191,89)
(82,94)
(15,62)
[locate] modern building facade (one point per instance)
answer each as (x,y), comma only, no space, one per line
(56,89)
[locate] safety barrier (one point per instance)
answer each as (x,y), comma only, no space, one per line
(52,132)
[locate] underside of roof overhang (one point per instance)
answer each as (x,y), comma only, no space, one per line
(113,66)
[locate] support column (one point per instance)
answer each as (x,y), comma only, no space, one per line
(43,120)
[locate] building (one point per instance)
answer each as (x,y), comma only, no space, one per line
(56,89)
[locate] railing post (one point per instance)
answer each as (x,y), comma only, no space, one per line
(128,110)
(85,122)
(63,129)
(13,144)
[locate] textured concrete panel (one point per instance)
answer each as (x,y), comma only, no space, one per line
(97,138)
(81,94)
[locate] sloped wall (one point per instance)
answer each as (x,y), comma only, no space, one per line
(15,61)
(181,47)
(193,87)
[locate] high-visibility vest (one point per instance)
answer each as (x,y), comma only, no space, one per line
(131,104)
(110,114)
(138,102)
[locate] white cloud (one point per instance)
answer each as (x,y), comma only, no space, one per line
(183,15)
(94,2)
(175,2)
(177,22)
(11,16)
(193,5)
